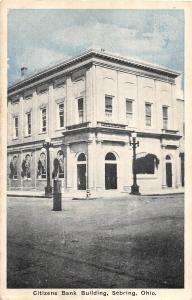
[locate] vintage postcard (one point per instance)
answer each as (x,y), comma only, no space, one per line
(96,150)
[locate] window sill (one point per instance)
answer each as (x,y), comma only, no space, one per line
(26,136)
(26,179)
(150,128)
(147,176)
(166,130)
(44,132)
(15,139)
(60,129)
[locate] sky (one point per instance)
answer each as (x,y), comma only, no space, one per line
(41,37)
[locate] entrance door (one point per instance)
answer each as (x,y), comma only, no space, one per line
(110,176)
(169,174)
(81,177)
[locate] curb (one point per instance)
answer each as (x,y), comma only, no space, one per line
(166,194)
(28,196)
(93,198)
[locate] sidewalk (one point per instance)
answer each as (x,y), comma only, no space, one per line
(82,194)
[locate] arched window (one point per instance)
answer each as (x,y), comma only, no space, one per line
(81,157)
(110,171)
(168,157)
(169,171)
(110,156)
(81,172)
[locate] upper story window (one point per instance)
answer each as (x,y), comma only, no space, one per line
(148,114)
(43,119)
(165,117)
(15,127)
(129,110)
(108,105)
(80,110)
(61,114)
(28,123)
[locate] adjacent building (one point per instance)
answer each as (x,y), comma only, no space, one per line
(88,107)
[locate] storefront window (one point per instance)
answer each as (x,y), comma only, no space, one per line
(26,167)
(13,168)
(146,164)
(58,165)
(41,167)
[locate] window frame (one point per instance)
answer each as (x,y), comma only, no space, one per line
(41,119)
(27,114)
(80,112)
(148,116)
(63,113)
(129,115)
(15,128)
(109,112)
(165,118)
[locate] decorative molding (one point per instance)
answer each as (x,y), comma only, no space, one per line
(59,82)
(44,88)
(100,58)
(78,75)
(60,100)
(43,105)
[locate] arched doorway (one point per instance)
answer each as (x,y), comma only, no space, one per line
(110,171)
(81,172)
(169,174)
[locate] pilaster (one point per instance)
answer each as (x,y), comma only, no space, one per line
(177,169)
(35,116)
(69,102)
(100,166)
(69,168)
(21,120)
(90,164)
(173,108)
(139,105)
(163,167)
(51,116)
(158,106)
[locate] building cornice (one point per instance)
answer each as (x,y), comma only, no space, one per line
(107,130)
(122,131)
(91,56)
(33,144)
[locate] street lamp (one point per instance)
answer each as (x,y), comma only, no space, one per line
(47,144)
(134,144)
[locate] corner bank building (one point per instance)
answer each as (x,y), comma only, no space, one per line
(88,107)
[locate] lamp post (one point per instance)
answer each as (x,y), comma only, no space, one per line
(134,144)
(47,144)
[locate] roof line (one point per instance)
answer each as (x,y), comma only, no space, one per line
(102,53)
